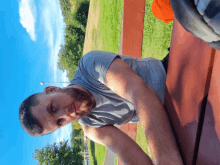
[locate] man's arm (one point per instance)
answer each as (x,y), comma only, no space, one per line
(121,79)
(126,149)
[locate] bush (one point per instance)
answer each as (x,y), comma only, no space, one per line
(82,13)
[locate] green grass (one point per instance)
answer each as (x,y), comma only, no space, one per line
(116,160)
(156,35)
(97,153)
(109,28)
(100,152)
(156,40)
(142,141)
(110,24)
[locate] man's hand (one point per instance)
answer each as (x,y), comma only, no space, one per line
(121,79)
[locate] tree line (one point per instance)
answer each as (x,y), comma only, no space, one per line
(75,16)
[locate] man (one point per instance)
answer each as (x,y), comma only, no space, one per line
(109,90)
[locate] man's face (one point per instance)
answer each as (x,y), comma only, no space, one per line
(59,107)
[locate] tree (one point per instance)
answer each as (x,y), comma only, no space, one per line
(59,154)
(71,52)
(65,7)
(82,13)
(68,61)
(76,125)
(77,136)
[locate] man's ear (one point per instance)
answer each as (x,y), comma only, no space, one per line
(50,89)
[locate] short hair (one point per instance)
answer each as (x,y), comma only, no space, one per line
(28,122)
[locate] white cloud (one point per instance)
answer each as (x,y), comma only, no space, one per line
(27,12)
(65,79)
(54,26)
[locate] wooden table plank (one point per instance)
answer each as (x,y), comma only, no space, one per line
(185,86)
(132,37)
(209,148)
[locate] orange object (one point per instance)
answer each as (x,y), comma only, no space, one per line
(162,10)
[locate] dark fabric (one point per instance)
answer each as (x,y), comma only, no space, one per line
(201,18)
(165,61)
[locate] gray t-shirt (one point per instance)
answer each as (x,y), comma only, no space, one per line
(111,109)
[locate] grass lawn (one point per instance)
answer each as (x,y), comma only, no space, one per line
(97,153)
(156,35)
(103,33)
(104,26)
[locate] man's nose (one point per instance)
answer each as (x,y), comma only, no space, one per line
(63,113)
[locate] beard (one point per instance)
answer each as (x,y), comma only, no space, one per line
(81,97)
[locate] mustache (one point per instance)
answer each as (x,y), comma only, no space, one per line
(78,95)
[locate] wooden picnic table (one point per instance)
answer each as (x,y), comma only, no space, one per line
(193,72)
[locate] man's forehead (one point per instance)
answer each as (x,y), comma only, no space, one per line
(39,110)
(42,115)
(43,98)
(41,107)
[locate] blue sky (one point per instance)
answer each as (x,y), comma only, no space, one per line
(31,34)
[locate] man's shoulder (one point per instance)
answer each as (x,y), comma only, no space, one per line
(93,53)
(97,54)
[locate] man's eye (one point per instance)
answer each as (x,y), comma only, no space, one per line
(52,108)
(59,122)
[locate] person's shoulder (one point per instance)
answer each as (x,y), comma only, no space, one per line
(98,55)
(89,56)
(93,53)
